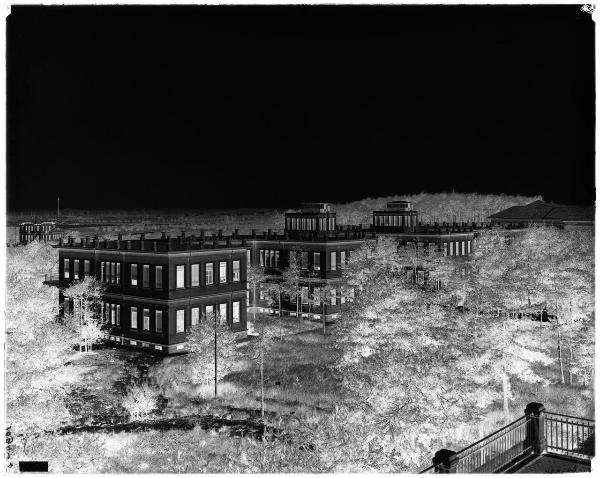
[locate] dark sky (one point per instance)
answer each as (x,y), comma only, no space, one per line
(122,107)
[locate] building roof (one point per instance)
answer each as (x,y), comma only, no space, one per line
(546,211)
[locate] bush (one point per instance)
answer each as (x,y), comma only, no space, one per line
(140,401)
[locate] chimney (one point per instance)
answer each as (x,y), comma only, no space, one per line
(142,236)
(201,235)
(163,235)
(128,245)
(154,246)
(142,244)
(120,237)
(168,243)
(220,233)
(253,233)
(118,244)
(105,243)
(183,234)
(87,240)
(269,233)
(215,242)
(60,241)
(264,234)
(236,232)
(229,242)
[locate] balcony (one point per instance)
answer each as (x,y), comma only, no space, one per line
(538,442)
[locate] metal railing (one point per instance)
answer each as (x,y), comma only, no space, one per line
(536,433)
(567,435)
(496,450)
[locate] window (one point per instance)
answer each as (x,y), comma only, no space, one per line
(146,319)
(118,319)
(343,257)
(445,248)
(222,313)
(113,314)
(451,248)
(86,268)
(262,258)
(195,315)
(332,297)
(66,268)
(222,272)
(248,257)
(236,271)
(208,274)
(317,261)
(107,272)
(181,277)
(209,311)
(343,293)
(468,247)
(134,317)
(276,259)
(463,248)
(158,273)
(195,275)
(304,260)
(118,272)
(304,294)
(333,256)
(146,275)
(76,269)
(181,320)
(158,321)
(236,312)
(133,274)
(113,272)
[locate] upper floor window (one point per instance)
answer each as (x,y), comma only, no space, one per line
(66,264)
(181,276)
(158,273)
(113,272)
(462,248)
(118,279)
(317,261)
(236,271)
(146,275)
(146,319)
(222,272)
(469,247)
(134,280)
(208,274)
(333,256)
(457,249)
(195,275)
(343,257)
(181,320)
(262,257)
(86,267)
(76,269)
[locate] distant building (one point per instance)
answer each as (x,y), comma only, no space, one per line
(540,212)
(45,231)
(399,220)
(12,235)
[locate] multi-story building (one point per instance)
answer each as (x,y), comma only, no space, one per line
(320,246)
(45,231)
(157,288)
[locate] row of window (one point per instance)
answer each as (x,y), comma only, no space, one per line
(110,272)
(395,220)
(457,248)
(341,293)
(310,223)
(270,258)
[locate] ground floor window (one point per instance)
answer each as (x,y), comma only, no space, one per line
(195,315)
(181,320)
(158,321)
(223,313)
(236,312)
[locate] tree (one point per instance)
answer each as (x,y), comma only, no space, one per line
(212,347)
(291,277)
(255,276)
(258,351)
(279,290)
(38,352)
(86,295)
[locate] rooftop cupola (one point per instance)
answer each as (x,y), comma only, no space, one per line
(316,217)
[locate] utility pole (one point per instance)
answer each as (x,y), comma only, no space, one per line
(215,355)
